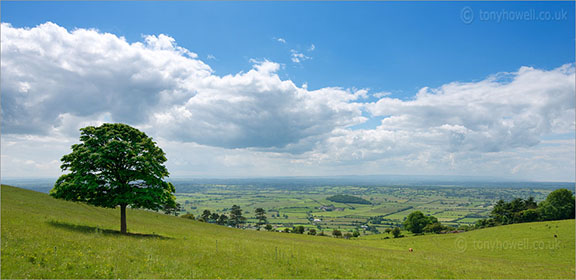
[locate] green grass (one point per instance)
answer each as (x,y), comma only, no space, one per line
(47,238)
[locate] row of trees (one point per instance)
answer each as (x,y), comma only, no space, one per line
(559,205)
(234,218)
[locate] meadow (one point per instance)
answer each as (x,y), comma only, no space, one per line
(47,238)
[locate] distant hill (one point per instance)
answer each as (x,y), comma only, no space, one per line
(344,198)
(42,237)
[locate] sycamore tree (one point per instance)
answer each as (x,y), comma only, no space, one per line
(115,165)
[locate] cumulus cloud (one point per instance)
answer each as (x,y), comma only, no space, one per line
(281,40)
(495,126)
(490,115)
(54,79)
(48,72)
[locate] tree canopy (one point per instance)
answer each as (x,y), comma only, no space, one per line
(417,221)
(558,205)
(115,165)
(344,198)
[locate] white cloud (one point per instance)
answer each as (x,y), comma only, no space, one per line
(55,81)
(281,40)
(312,48)
(298,57)
(381,94)
(488,127)
(210,57)
(490,115)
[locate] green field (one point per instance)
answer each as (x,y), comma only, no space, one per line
(47,238)
(293,206)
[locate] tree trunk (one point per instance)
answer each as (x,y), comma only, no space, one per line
(123,218)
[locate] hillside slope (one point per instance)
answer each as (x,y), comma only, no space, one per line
(48,238)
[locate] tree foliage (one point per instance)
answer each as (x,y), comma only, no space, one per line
(343,198)
(396,232)
(115,165)
(417,221)
(236,217)
(261,216)
(559,205)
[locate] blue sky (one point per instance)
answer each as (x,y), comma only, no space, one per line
(378,45)
(389,51)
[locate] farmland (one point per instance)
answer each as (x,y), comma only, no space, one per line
(307,204)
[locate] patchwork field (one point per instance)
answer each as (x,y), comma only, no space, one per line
(289,206)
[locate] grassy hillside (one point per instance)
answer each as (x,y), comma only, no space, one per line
(47,238)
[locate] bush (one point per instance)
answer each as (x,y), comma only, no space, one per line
(312,231)
(188,216)
(298,229)
(396,232)
(435,228)
(336,233)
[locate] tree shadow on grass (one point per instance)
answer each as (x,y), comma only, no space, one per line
(97,230)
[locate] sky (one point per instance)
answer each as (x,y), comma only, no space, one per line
(250,89)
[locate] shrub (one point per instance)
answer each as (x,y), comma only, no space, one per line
(396,232)
(188,216)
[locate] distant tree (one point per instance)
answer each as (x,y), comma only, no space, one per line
(268,227)
(416,221)
(388,230)
(286,230)
(530,215)
(434,227)
(214,217)
(515,211)
(206,215)
(485,223)
(396,232)
(344,198)
(236,217)
(261,215)
(559,205)
(222,220)
(171,209)
(336,233)
(348,235)
(115,165)
(298,229)
(356,233)
(312,231)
